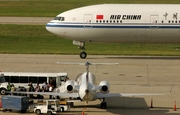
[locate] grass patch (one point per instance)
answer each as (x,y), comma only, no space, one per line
(35,39)
(50,8)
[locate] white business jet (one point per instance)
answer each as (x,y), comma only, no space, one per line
(84,88)
(118,23)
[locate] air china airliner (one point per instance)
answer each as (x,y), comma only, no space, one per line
(118,23)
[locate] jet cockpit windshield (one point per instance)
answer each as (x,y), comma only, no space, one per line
(59,18)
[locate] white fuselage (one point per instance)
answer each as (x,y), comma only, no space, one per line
(120,23)
(87,85)
(81,86)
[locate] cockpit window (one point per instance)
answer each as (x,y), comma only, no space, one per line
(59,18)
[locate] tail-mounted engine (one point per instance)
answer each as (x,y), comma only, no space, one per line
(69,86)
(104,87)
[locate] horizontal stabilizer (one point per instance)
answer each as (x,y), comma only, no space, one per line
(87,63)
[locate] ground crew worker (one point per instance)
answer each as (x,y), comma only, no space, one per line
(50,90)
(31,89)
(9,87)
(12,89)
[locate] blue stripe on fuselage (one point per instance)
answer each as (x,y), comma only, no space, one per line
(107,26)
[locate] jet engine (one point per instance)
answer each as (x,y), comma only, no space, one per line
(104,87)
(69,86)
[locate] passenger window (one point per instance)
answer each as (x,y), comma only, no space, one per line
(33,79)
(63,78)
(42,79)
(23,79)
(7,78)
(14,79)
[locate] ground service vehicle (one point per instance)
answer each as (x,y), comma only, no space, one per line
(50,107)
(23,78)
(17,103)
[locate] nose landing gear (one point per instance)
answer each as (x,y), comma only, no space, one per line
(83,55)
(81,45)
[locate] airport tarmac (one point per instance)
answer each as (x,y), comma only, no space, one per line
(25,20)
(133,75)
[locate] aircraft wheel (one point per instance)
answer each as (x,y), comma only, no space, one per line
(83,55)
(103,105)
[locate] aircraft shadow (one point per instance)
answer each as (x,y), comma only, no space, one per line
(127,106)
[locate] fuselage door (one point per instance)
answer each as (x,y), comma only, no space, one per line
(154,21)
(87,21)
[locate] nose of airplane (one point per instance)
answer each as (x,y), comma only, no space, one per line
(51,27)
(48,27)
(54,28)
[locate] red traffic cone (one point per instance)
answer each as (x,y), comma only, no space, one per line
(174,105)
(83,111)
(151,103)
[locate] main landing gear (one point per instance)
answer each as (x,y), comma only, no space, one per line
(103,103)
(81,45)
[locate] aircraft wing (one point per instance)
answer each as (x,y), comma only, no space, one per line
(101,95)
(51,93)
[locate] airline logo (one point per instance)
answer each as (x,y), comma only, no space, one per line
(99,17)
(125,17)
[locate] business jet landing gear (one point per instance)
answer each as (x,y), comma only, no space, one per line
(104,104)
(81,45)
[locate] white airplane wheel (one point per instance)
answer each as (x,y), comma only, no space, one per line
(83,55)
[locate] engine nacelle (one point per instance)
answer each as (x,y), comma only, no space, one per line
(104,87)
(69,86)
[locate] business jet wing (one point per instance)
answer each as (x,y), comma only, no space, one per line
(100,95)
(75,95)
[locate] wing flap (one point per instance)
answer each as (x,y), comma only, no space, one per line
(51,93)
